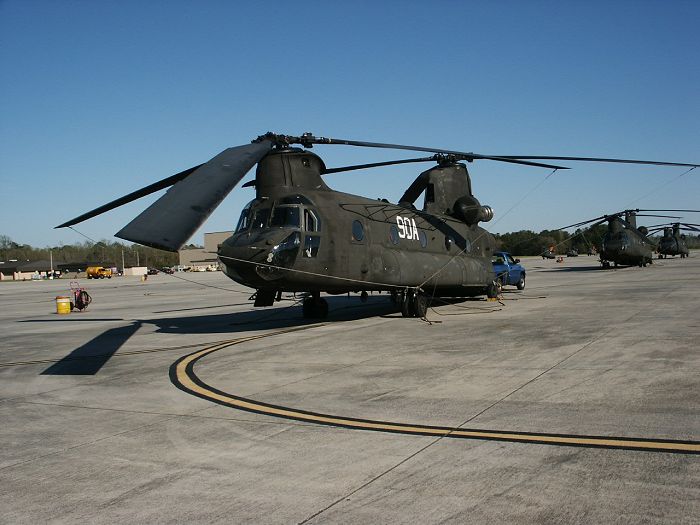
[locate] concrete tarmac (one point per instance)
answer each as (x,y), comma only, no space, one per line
(99,424)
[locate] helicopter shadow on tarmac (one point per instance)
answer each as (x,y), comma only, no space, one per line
(90,357)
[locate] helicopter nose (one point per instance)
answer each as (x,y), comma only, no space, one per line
(259,253)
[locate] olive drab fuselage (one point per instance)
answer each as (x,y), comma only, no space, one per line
(298,235)
(673,242)
(625,245)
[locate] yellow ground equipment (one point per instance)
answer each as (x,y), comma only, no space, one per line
(63,305)
(98,272)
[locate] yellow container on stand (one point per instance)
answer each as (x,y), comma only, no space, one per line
(63,305)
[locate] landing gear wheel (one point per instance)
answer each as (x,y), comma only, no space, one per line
(315,308)
(413,304)
(521,283)
(407,306)
(420,305)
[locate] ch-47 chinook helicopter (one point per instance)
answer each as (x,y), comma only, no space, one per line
(299,235)
(624,243)
(673,241)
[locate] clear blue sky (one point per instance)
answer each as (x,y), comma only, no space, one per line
(100,98)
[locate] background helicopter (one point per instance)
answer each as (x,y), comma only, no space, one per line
(298,235)
(673,242)
(624,243)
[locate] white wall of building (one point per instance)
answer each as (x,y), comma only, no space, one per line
(136,271)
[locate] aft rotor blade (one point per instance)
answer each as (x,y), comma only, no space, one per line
(599,159)
(170,221)
(663,216)
(152,188)
(465,155)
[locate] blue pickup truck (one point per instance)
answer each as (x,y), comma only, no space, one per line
(508,270)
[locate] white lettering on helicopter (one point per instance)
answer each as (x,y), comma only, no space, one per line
(407,228)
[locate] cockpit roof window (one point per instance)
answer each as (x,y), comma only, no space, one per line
(295,199)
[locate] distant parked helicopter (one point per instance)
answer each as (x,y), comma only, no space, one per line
(624,243)
(298,235)
(673,241)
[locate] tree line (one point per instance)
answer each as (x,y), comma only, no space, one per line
(104,253)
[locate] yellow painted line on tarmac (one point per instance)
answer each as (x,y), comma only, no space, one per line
(183,376)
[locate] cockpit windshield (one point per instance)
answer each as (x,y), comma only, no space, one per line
(285,217)
(260,219)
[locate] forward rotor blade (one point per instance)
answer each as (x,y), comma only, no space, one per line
(466,155)
(375,165)
(677,211)
(683,225)
(583,223)
(152,188)
(170,221)
(599,159)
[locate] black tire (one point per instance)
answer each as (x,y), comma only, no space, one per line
(407,306)
(315,308)
(420,305)
(307,308)
(521,282)
(322,308)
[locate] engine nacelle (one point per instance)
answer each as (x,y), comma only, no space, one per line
(469,209)
(486,213)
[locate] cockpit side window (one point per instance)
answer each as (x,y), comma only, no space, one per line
(311,221)
(285,217)
(244,220)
